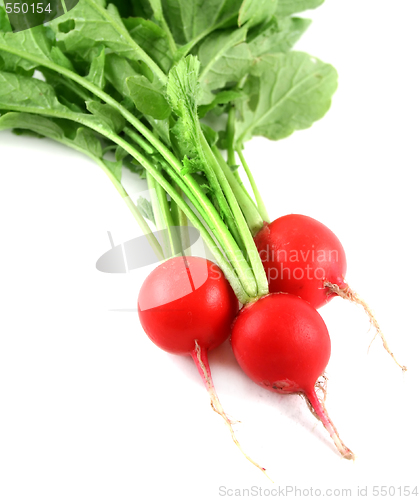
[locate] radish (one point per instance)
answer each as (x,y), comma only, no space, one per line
(303,257)
(186,306)
(281,342)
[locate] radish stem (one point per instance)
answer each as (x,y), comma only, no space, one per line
(250,211)
(258,197)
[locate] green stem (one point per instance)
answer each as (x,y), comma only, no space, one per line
(224,238)
(258,198)
(250,211)
(139,140)
(257,267)
(230,139)
(182,223)
(230,136)
(157,214)
(172,241)
(209,162)
(174,207)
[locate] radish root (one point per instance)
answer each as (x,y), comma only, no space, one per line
(348,294)
(200,359)
(318,409)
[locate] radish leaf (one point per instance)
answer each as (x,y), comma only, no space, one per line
(97,69)
(145,208)
(149,98)
(44,127)
(192,20)
(152,39)
(224,58)
(289,93)
(277,35)
(287,7)
(253,12)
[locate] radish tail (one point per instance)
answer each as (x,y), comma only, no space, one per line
(201,361)
(318,408)
(348,294)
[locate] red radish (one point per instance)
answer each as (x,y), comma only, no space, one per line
(187,306)
(281,342)
(299,255)
(303,257)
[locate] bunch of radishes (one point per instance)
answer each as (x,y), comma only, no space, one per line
(135,91)
(186,306)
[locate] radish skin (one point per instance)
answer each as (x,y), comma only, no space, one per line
(281,342)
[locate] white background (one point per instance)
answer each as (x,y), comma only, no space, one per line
(91,409)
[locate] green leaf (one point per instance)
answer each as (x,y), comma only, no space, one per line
(210,134)
(145,208)
(17,90)
(34,41)
(287,7)
(66,89)
(118,70)
(160,128)
(135,167)
(291,92)
(152,39)
(66,132)
(120,153)
(277,35)
(193,19)
(97,70)
(254,12)
(115,167)
(89,29)
(223,97)
(30,95)
(4,21)
(107,114)
(94,25)
(148,97)
(44,127)
(224,59)
(70,133)
(61,59)
(182,91)
(86,140)
(190,165)
(182,88)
